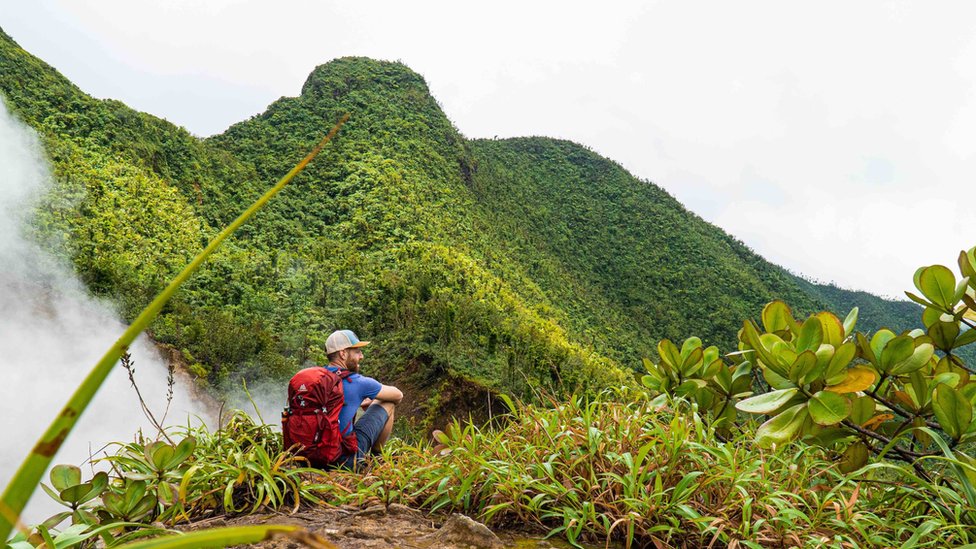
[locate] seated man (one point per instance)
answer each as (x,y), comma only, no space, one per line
(373,428)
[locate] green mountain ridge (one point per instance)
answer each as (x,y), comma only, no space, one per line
(473,265)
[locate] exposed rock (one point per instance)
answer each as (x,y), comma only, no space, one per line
(462,531)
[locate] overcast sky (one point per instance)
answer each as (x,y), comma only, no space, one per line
(837,139)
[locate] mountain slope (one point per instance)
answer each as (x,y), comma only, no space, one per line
(471,264)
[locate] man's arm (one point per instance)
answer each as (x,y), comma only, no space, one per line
(389,393)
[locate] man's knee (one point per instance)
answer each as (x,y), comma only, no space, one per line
(388,406)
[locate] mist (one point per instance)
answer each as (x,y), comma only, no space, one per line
(52,332)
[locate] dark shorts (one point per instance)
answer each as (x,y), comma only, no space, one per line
(367,429)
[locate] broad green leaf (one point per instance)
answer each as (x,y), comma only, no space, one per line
(880,340)
(858,378)
(183,450)
(944,334)
(689,387)
(766,402)
(690,345)
(777,317)
(938,284)
(833,329)
(713,368)
(952,409)
(711,354)
(930,316)
(920,357)
(161,456)
(850,322)
(951,379)
(692,362)
(967,264)
(966,338)
(837,367)
(828,437)
(828,408)
(775,380)
(960,290)
(855,457)
(918,388)
(805,363)
(669,353)
(862,409)
(63,476)
(865,346)
(811,335)
(782,428)
(895,351)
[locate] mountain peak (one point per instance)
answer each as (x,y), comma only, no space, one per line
(344,75)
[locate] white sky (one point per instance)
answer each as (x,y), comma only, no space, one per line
(837,139)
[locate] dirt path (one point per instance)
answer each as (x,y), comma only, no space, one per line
(380,528)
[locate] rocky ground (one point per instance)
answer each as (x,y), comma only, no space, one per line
(379,527)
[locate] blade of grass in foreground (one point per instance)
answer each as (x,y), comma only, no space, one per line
(234,535)
(23,484)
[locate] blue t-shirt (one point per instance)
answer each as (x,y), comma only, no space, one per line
(355,389)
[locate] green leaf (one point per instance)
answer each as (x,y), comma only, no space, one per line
(896,350)
(967,263)
(811,335)
(920,357)
(833,329)
(952,409)
(862,409)
(766,402)
(828,408)
(966,338)
(64,476)
(917,299)
(161,455)
(233,535)
(689,346)
(850,322)
(775,380)
(938,284)
(777,317)
(692,362)
(837,367)
(805,363)
(782,428)
(855,457)
(879,341)
(669,353)
(944,334)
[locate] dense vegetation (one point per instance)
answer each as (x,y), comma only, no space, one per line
(494,262)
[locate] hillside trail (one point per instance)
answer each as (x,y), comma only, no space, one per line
(382,527)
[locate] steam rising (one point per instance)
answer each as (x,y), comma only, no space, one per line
(52,333)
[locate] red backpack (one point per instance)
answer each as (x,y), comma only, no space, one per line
(311,419)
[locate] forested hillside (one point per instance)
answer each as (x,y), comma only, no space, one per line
(470,264)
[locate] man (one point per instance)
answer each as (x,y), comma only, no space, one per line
(373,428)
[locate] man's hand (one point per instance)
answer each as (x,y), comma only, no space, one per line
(366,403)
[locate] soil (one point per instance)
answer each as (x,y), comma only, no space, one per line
(381,527)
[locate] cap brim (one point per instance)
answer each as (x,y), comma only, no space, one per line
(358,345)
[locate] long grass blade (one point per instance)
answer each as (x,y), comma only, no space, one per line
(233,535)
(28,476)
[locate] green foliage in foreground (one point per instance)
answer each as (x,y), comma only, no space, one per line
(858,394)
(620,466)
